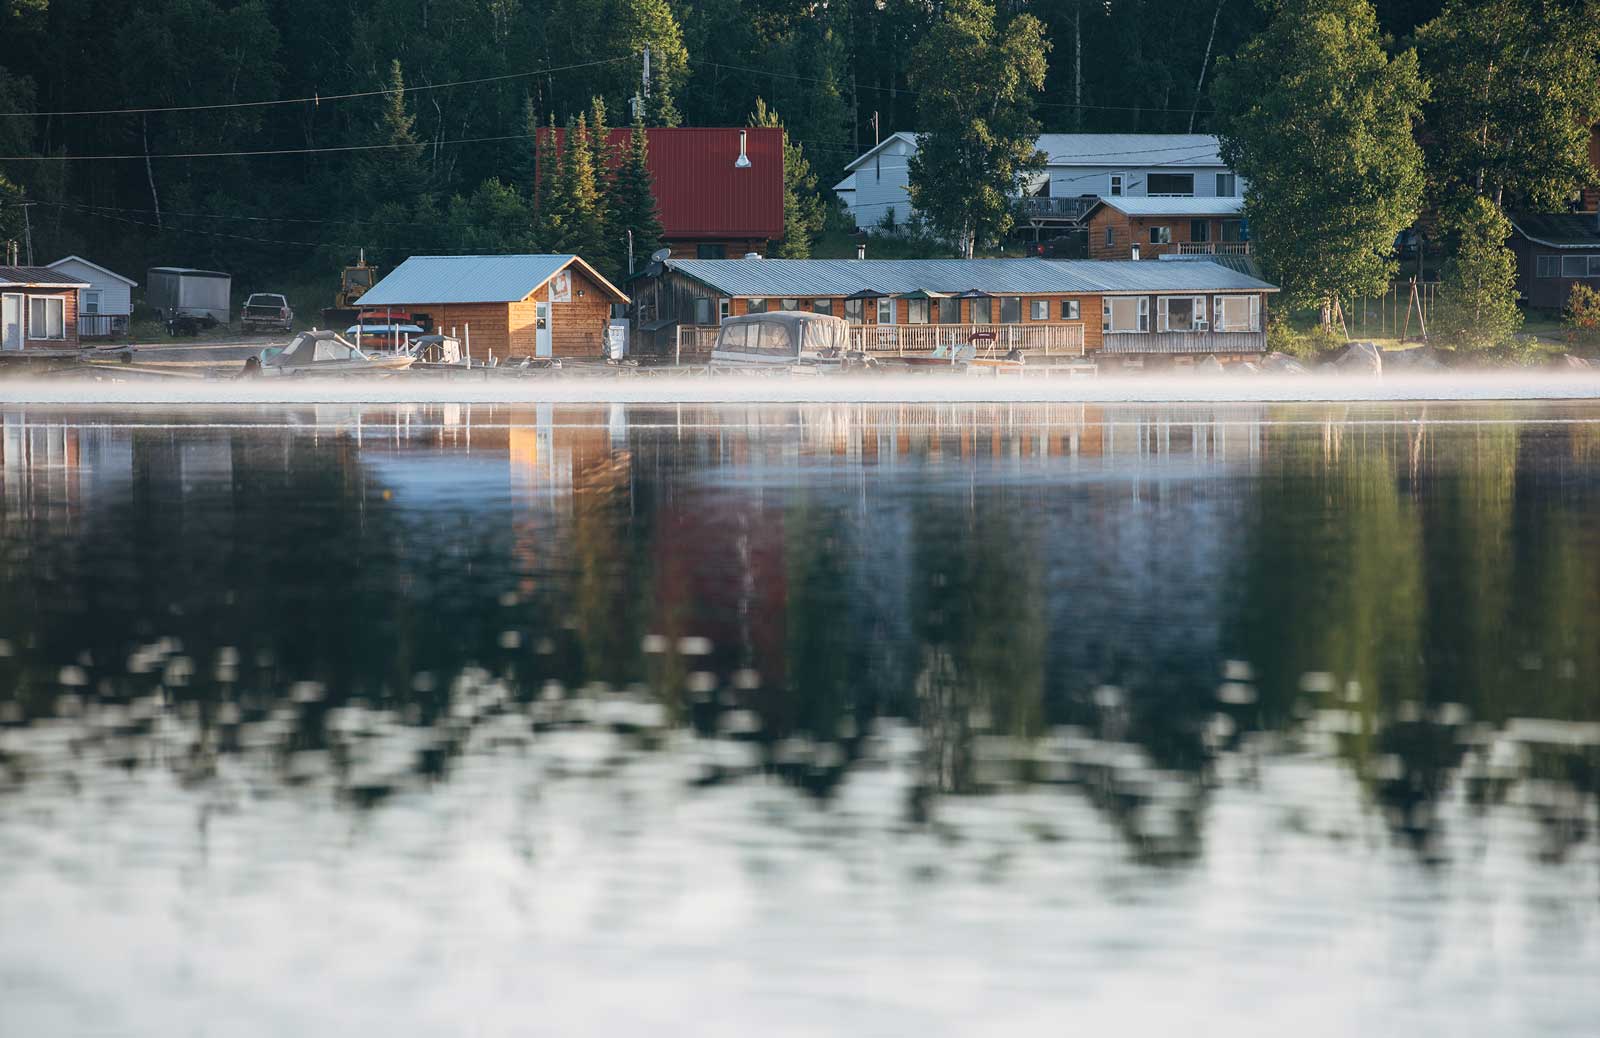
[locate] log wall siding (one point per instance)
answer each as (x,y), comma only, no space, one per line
(734,248)
(69,317)
(508,330)
(1127,230)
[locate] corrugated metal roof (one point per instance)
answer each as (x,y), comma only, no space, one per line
(1138,205)
(1559,230)
(699,191)
(463,279)
(832,277)
(1243,264)
(1130,149)
(42,277)
(1104,149)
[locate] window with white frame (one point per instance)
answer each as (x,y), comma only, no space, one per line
(1171,184)
(916,311)
(1038,309)
(1124,313)
(1116,184)
(1227,185)
(90,300)
(724,308)
(886,311)
(1161,236)
(1181,314)
(983,310)
(1580,266)
(1548,267)
(1010,309)
(1236,313)
(1069,310)
(47,317)
(854,311)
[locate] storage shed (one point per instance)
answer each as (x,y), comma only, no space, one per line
(1554,252)
(105,306)
(513,306)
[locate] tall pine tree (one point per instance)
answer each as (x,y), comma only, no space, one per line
(633,201)
(802,207)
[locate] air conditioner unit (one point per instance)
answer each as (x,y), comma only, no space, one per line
(1201,326)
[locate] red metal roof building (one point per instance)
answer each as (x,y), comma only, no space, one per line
(712,208)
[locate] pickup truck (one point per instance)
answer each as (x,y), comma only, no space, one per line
(266,310)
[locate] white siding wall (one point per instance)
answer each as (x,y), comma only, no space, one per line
(881,186)
(114,294)
(1066,182)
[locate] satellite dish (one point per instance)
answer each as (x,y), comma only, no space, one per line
(660,255)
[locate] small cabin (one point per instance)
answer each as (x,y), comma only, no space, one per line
(502,306)
(38,309)
(1145,228)
(1554,252)
(105,306)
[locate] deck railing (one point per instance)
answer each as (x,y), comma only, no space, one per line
(1067,209)
(1213,248)
(101,326)
(1067,340)
(1183,342)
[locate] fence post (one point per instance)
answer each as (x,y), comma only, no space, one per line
(677,343)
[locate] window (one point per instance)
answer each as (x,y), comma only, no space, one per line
(1577,266)
(916,311)
(756,306)
(328,349)
(1161,236)
(1069,310)
(1125,313)
(47,317)
(724,308)
(1116,184)
(886,311)
(1199,230)
(877,167)
(91,300)
(1237,313)
(1038,309)
(949,311)
(1010,309)
(1227,185)
(734,338)
(1171,184)
(711,250)
(822,306)
(983,311)
(854,312)
(1549,266)
(788,304)
(1233,230)
(774,341)
(702,310)
(1111,236)
(1181,314)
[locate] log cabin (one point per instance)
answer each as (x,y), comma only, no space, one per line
(508,306)
(1046,307)
(1146,228)
(38,309)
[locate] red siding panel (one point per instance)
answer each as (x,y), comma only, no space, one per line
(700,192)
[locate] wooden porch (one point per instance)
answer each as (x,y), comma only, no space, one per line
(1213,248)
(1183,342)
(1063,340)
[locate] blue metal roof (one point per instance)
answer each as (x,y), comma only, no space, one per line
(827,277)
(464,279)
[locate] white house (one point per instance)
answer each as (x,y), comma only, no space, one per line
(105,305)
(1079,167)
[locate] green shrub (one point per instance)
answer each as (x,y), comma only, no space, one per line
(1582,317)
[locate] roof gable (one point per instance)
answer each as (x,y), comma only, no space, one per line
(902,137)
(1559,230)
(474,279)
(1139,205)
(108,272)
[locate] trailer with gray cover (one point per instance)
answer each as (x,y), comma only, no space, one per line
(187,299)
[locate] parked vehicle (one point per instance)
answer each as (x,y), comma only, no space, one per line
(322,353)
(353,284)
(187,299)
(785,339)
(266,310)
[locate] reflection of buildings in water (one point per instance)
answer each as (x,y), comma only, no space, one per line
(53,470)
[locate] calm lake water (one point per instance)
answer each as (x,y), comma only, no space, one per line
(860,720)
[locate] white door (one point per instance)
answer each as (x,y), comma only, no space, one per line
(541,329)
(11,322)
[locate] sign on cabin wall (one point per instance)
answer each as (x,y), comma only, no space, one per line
(561,287)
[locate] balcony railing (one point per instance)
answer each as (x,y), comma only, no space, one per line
(1213,248)
(1184,342)
(101,326)
(1066,209)
(1066,340)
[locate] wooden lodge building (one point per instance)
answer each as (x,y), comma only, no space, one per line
(505,306)
(1149,227)
(38,309)
(1554,252)
(1065,307)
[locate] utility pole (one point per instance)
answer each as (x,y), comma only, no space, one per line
(27,230)
(875,140)
(645,78)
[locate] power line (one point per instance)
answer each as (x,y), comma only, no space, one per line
(421,145)
(319,98)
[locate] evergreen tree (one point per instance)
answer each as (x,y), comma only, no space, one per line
(633,201)
(802,207)
(977,86)
(394,196)
(1318,119)
(1477,306)
(571,218)
(548,219)
(1515,88)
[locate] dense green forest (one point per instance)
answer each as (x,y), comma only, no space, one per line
(138,132)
